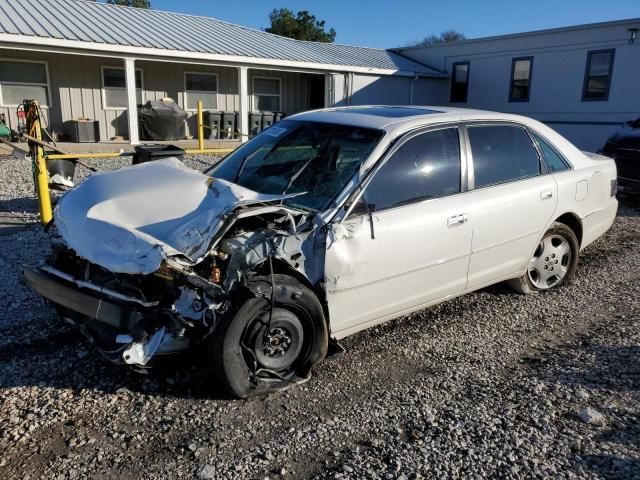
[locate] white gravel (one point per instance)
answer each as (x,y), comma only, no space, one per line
(490,385)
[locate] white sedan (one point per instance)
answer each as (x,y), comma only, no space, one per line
(325,224)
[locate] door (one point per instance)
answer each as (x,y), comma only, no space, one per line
(407,240)
(513,200)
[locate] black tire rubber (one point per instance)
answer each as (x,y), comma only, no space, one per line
(523,284)
(227,358)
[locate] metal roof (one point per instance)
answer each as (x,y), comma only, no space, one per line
(90,22)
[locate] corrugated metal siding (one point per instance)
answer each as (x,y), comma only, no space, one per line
(76,89)
(97,22)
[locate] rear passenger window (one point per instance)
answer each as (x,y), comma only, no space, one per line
(502,153)
(424,167)
(553,160)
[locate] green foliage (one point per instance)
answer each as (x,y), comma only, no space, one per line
(131,3)
(302,26)
(446,36)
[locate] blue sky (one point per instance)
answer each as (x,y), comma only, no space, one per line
(392,23)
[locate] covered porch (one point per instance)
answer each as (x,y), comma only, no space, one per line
(110,90)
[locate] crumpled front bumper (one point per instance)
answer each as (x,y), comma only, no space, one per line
(69,297)
(69,293)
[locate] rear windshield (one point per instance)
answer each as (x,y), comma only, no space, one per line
(314,159)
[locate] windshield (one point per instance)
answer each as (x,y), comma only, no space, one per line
(313,159)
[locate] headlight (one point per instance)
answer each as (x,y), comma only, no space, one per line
(614,187)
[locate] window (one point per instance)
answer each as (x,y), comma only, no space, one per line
(201,86)
(502,153)
(597,77)
(460,82)
(553,160)
(266,94)
(314,159)
(424,167)
(114,88)
(520,79)
(20,80)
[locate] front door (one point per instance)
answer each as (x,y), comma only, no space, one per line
(407,240)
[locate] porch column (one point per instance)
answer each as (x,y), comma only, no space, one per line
(132,104)
(328,90)
(243,110)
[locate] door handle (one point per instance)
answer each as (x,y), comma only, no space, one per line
(547,194)
(456,220)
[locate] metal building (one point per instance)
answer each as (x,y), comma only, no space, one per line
(85,59)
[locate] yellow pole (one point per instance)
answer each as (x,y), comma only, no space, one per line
(43,187)
(200,127)
(40,164)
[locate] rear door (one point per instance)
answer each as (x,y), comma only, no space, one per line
(512,202)
(407,240)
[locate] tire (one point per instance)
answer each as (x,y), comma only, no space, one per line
(298,339)
(552,264)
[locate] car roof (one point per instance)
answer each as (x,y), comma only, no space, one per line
(394,119)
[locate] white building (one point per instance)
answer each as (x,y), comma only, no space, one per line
(583,81)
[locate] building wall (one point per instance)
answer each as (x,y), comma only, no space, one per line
(360,89)
(559,62)
(76,89)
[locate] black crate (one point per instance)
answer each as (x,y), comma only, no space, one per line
(147,153)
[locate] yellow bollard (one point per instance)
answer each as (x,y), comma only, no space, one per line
(32,117)
(200,127)
(42,180)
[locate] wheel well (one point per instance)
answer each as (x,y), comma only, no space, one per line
(574,223)
(282,267)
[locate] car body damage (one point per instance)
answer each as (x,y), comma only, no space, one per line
(171,268)
(128,221)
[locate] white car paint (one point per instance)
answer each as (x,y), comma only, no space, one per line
(415,260)
(376,265)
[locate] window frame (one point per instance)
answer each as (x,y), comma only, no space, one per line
(496,123)
(254,103)
(217,92)
(354,197)
(587,67)
(533,133)
(46,85)
(511,79)
(453,81)
(103,88)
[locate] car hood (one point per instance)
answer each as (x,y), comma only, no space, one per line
(128,220)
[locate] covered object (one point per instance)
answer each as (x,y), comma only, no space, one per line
(162,120)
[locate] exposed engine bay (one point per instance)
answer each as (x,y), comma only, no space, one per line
(132,314)
(179,304)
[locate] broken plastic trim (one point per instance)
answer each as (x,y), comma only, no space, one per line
(96,288)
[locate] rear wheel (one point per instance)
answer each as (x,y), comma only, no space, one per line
(552,264)
(256,350)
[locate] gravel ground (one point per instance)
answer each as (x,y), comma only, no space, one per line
(492,384)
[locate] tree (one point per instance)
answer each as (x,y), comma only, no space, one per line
(444,37)
(302,26)
(131,3)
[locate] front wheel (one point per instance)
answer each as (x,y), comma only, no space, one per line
(552,264)
(256,349)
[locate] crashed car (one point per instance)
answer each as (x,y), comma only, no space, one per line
(325,224)
(624,147)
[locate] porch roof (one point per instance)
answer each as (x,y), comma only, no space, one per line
(99,27)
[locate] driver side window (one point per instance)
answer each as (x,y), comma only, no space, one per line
(424,167)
